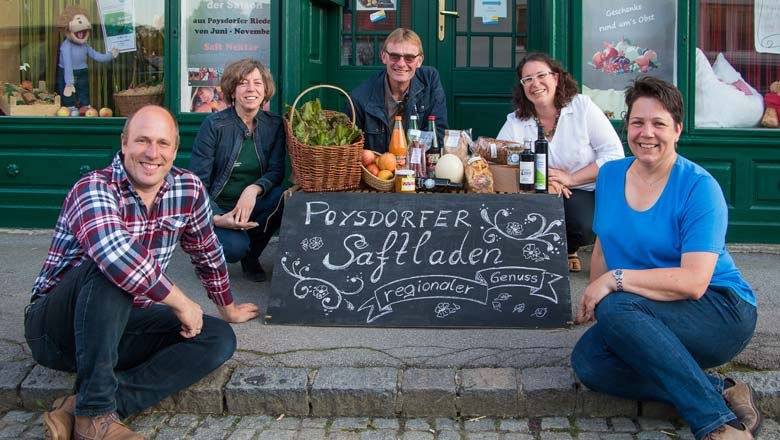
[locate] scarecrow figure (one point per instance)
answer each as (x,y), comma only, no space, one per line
(72,72)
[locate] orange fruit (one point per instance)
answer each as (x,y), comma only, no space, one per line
(386,162)
(385,175)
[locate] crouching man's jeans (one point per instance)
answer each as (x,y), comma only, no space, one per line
(654,350)
(125,358)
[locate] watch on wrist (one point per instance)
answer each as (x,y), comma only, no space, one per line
(617,274)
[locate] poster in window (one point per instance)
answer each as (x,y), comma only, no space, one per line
(215,34)
(118,20)
(767,25)
(375,5)
(623,39)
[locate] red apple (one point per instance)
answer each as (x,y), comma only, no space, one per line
(83,110)
(106,112)
(598,60)
(368,157)
(91,113)
(63,111)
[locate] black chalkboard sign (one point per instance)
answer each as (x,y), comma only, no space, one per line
(423,260)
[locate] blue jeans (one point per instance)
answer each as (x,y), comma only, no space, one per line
(125,358)
(654,350)
(267,213)
(81,83)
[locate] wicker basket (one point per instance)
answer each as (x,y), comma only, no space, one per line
(375,182)
(127,104)
(324,168)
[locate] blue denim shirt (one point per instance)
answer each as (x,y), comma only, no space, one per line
(426,97)
(219,141)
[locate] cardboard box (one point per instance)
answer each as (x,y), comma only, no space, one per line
(506,178)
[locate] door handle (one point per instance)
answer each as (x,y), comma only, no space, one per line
(442,15)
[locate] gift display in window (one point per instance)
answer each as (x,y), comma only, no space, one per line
(79,59)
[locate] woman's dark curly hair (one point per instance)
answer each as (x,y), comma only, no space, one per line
(564,93)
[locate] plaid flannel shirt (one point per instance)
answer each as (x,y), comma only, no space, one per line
(103,219)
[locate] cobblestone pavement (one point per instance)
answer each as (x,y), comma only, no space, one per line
(27,425)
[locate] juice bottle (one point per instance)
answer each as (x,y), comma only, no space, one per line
(398,145)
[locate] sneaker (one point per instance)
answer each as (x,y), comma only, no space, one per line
(103,427)
(58,423)
(252,269)
(727,432)
(742,403)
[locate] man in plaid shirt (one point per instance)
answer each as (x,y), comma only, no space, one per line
(103,306)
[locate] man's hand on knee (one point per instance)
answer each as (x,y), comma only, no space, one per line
(188,311)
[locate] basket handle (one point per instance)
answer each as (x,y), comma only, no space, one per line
(318,86)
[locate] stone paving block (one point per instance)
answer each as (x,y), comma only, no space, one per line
(205,396)
(340,391)
(343,435)
(652,435)
(592,424)
(152,420)
(183,420)
(555,423)
(16,417)
(255,422)
(449,435)
(314,422)
(623,424)
(488,391)
(443,424)
(277,434)
(594,404)
(312,434)
(381,423)
(548,435)
(242,434)
(588,436)
(417,435)
(285,423)
(14,430)
(349,423)
(617,436)
(42,386)
(479,425)
(766,386)
(652,424)
(514,425)
(11,376)
(517,436)
(172,433)
(547,391)
(417,425)
(483,436)
(35,432)
(382,434)
(686,434)
(262,390)
(428,392)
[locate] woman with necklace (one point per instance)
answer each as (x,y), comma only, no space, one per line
(239,155)
(667,298)
(580,137)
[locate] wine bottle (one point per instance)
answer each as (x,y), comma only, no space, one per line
(434,153)
(540,162)
(526,178)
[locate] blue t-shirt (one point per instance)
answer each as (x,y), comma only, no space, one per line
(689,216)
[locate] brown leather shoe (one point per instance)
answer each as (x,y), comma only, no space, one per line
(726,432)
(58,423)
(103,427)
(743,404)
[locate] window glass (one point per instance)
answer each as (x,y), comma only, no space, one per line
(737,60)
(366,23)
(621,40)
(216,33)
(89,58)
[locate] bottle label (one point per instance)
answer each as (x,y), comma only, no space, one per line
(400,161)
(540,171)
(526,173)
(513,158)
(407,184)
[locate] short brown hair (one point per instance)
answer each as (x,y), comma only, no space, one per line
(63,21)
(651,87)
(564,93)
(237,70)
(130,119)
(404,35)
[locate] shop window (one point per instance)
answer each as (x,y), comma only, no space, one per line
(214,34)
(365,24)
(621,40)
(83,57)
(737,60)
(484,42)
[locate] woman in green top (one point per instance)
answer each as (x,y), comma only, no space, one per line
(239,155)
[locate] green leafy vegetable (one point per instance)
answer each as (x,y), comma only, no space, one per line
(311,126)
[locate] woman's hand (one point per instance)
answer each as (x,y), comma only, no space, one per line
(555,187)
(228,221)
(560,176)
(246,202)
(594,293)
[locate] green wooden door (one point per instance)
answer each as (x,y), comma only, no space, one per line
(475,57)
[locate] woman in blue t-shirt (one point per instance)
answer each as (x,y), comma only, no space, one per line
(666,295)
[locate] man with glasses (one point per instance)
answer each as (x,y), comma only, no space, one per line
(405,88)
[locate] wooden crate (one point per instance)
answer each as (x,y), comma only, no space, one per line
(12,109)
